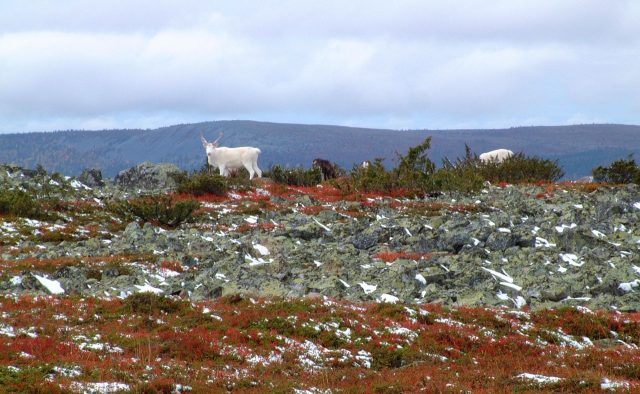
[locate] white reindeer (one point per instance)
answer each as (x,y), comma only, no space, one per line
(226,159)
(495,156)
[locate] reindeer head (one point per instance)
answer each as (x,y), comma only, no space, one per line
(210,146)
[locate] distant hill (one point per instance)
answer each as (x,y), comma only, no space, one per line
(578,148)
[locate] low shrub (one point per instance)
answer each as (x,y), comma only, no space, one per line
(201,183)
(149,303)
(520,169)
(21,204)
(415,170)
(459,175)
(297,176)
(373,178)
(620,171)
(158,209)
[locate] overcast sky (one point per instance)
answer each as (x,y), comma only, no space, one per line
(392,64)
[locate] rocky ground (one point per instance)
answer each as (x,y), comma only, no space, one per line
(511,289)
(536,246)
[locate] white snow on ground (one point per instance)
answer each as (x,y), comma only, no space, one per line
(504,230)
(7,331)
(365,358)
(368,289)
(613,385)
(325,228)
(8,227)
(251,219)
(540,379)
(53,286)
(421,279)
(511,285)
(636,269)
(99,387)
(405,332)
(345,284)
(568,340)
(273,357)
(261,249)
(629,286)
(220,276)
(502,276)
(507,280)
(147,288)
(572,259)
(598,234)
(388,298)
(68,372)
(636,205)
(561,228)
(543,243)
(312,390)
(518,302)
(256,261)
(78,185)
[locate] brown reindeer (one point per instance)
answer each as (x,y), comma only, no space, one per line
(327,169)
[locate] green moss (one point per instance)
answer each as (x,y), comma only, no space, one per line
(20,203)
(149,303)
(159,209)
(297,176)
(202,183)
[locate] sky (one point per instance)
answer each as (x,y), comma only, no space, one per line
(403,64)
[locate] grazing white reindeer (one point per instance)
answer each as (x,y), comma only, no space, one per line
(226,159)
(495,156)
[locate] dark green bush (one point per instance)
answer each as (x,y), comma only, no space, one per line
(415,170)
(296,176)
(459,175)
(157,209)
(620,171)
(20,203)
(201,183)
(373,178)
(520,168)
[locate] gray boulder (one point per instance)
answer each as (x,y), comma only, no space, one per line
(149,176)
(91,177)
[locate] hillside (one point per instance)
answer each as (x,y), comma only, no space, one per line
(521,288)
(578,148)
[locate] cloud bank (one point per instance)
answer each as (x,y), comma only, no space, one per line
(404,64)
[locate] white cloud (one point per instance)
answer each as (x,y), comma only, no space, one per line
(401,64)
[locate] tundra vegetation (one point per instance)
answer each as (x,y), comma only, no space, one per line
(139,290)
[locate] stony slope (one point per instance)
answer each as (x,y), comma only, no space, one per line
(540,246)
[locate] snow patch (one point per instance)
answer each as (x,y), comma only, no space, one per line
(147,288)
(261,249)
(388,298)
(613,385)
(629,286)
(368,289)
(53,286)
(540,379)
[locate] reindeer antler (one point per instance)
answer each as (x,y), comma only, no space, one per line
(204,142)
(218,139)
